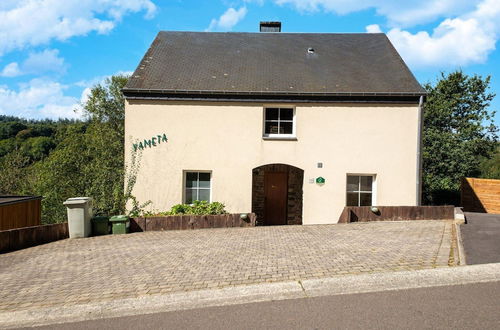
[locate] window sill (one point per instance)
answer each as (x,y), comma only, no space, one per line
(280,138)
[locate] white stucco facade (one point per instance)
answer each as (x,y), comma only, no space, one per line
(226,138)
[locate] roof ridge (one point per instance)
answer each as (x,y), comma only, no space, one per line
(274,33)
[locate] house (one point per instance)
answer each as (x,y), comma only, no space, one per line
(291,126)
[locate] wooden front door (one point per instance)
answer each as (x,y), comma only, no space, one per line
(275,198)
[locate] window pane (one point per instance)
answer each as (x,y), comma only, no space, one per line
(365,199)
(286,114)
(204,180)
(352,199)
(190,196)
(191,179)
(271,113)
(366,183)
(204,195)
(271,128)
(352,183)
(286,128)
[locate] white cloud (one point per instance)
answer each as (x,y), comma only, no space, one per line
(466,32)
(455,42)
(11,70)
(44,98)
(460,41)
(227,20)
(37,22)
(38,98)
(398,13)
(36,63)
(373,28)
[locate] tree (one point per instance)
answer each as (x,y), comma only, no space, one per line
(490,167)
(89,161)
(458,131)
(13,173)
(105,109)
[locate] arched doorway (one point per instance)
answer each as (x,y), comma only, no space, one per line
(277,194)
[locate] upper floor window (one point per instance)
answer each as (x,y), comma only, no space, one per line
(279,122)
(359,190)
(197,187)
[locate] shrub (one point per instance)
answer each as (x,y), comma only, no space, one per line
(197,208)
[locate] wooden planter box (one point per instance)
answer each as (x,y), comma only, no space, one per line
(397,213)
(181,222)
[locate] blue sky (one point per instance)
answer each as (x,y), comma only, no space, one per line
(53,51)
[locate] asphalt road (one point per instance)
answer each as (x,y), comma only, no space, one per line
(481,238)
(470,306)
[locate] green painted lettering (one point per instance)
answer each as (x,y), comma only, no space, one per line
(141,146)
(153,141)
(164,138)
(159,138)
(147,143)
(135,146)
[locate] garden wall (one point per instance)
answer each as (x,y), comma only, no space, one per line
(396,213)
(180,222)
(21,238)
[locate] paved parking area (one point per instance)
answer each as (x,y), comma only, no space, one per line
(78,271)
(481,238)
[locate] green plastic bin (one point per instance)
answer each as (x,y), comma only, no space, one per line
(120,224)
(100,225)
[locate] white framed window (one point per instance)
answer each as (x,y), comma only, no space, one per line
(197,186)
(279,122)
(360,190)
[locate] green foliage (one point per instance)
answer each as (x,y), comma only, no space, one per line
(63,174)
(69,158)
(197,208)
(13,173)
(7,146)
(458,131)
(11,128)
(89,160)
(36,148)
(490,167)
(131,171)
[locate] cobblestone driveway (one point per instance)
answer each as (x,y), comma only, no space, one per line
(110,267)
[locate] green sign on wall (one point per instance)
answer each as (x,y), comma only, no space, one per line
(149,143)
(320,180)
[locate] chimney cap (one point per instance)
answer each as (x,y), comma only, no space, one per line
(272,26)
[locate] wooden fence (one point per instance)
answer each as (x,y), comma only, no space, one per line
(20,213)
(480,195)
(396,213)
(180,222)
(21,238)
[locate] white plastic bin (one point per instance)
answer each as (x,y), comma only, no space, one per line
(79,214)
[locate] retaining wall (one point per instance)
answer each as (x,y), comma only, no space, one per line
(396,213)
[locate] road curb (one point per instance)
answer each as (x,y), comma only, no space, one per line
(340,285)
(461,253)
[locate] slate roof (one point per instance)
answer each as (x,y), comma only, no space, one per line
(196,63)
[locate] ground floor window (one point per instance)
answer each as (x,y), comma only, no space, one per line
(359,190)
(197,187)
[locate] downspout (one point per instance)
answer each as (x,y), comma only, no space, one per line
(419,151)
